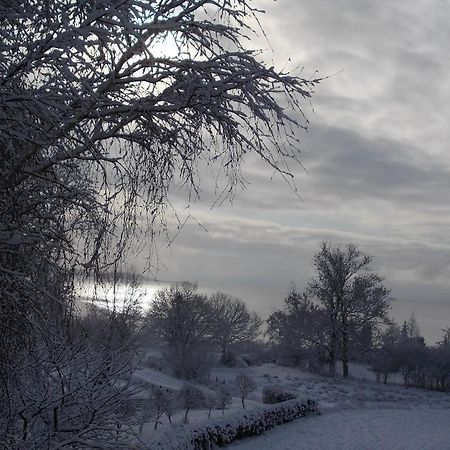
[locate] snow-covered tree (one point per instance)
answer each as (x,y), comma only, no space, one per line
(445,337)
(210,402)
(224,398)
(410,329)
(118,322)
(351,295)
(301,330)
(244,385)
(68,395)
(391,336)
(439,369)
(183,320)
(104,106)
(190,397)
(233,321)
(160,401)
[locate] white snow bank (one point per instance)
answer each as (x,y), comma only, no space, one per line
(413,429)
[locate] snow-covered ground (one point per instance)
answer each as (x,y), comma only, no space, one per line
(357,413)
(159,378)
(389,429)
(357,392)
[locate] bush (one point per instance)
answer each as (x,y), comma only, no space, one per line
(275,394)
(190,396)
(230,359)
(244,385)
(225,430)
(223,397)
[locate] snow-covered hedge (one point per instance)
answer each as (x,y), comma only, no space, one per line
(275,394)
(223,431)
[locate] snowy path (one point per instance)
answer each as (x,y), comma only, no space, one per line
(386,429)
(158,378)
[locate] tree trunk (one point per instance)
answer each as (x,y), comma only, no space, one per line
(332,355)
(55,419)
(224,352)
(24,429)
(243,404)
(333,343)
(331,363)
(344,349)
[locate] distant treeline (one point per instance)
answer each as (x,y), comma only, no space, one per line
(342,315)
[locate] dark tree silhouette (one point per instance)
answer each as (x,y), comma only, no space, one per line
(350,294)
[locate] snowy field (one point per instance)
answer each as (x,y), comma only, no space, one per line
(390,429)
(357,413)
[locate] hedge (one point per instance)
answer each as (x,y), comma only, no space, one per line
(222,431)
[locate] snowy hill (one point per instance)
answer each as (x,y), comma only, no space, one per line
(357,413)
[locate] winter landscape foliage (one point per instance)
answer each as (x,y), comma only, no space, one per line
(99,118)
(105,106)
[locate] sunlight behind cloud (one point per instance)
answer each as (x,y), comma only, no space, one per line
(121,296)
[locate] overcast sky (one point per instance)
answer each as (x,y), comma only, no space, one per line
(376,159)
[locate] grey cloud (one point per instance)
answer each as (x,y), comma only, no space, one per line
(346,171)
(343,161)
(358,189)
(389,56)
(376,159)
(258,260)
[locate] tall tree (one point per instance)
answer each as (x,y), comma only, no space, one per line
(412,327)
(350,294)
(233,321)
(445,337)
(244,385)
(184,320)
(103,105)
(301,325)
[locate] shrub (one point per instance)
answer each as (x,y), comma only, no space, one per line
(224,398)
(275,394)
(245,385)
(190,396)
(223,431)
(210,402)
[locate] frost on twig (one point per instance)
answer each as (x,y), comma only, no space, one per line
(104,106)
